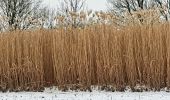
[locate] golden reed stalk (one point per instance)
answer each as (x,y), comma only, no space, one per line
(99,55)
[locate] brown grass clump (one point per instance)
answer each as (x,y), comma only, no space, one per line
(99,55)
(21,61)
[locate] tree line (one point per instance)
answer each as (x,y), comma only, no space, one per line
(28,14)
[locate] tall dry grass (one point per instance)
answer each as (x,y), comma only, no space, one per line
(99,55)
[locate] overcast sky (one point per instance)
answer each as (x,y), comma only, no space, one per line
(92,4)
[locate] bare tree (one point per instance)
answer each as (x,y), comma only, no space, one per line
(18,13)
(70,9)
(165,8)
(118,7)
(129,5)
(46,18)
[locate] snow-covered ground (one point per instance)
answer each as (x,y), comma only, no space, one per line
(95,95)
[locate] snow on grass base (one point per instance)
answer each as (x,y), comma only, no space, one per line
(54,94)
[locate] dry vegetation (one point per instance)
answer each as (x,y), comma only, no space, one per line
(99,55)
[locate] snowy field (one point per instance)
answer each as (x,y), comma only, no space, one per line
(95,95)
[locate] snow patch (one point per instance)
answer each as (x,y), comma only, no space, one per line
(54,94)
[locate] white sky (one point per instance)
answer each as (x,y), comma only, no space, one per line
(92,4)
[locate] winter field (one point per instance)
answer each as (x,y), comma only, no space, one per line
(74,48)
(97,55)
